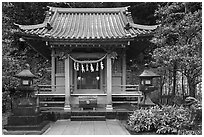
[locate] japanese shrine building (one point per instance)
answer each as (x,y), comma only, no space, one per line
(87,49)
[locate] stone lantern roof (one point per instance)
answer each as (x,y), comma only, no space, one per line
(26,73)
(148,73)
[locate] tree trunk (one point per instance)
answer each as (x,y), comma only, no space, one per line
(183,90)
(192,88)
(161,88)
(174,80)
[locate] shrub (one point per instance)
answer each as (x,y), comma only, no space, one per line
(165,120)
(6,100)
(143,120)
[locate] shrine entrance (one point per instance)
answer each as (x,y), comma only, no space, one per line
(89,71)
(88,80)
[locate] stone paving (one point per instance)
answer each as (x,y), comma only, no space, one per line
(67,127)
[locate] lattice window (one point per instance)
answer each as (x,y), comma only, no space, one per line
(117,65)
(59,66)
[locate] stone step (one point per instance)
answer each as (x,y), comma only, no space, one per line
(84,113)
(52,104)
(88,118)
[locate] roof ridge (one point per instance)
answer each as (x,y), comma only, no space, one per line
(90,10)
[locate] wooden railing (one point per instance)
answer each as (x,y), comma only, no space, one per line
(47,99)
(48,88)
(128,88)
(45,91)
(131,87)
(131,95)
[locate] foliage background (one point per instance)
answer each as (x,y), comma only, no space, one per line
(169,51)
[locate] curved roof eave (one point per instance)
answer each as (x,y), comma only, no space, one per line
(145,27)
(119,25)
(29,27)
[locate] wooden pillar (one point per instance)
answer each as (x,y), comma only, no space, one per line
(53,71)
(71,77)
(109,83)
(124,70)
(38,100)
(101,80)
(75,80)
(105,79)
(67,85)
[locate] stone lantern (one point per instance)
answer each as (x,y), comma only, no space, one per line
(26,117)
(146,85)
(25,91)
(26,77)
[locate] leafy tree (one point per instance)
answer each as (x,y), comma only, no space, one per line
(179,40)
(14,53)
(9,64)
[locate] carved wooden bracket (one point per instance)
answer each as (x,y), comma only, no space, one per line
(113,55)
(64,54)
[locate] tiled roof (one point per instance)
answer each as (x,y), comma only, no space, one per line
(87,24)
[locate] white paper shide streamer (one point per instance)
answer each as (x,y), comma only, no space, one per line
(88,65)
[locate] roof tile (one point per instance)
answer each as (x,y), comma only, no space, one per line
(87,23)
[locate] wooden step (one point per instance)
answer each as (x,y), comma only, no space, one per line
(119,102)
(88,118)
(51,102)
(84,113)
(46,108)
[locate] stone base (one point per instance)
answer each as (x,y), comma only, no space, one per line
(27,129)
(26,111)
(148,101)
(111,114)
(25,120)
